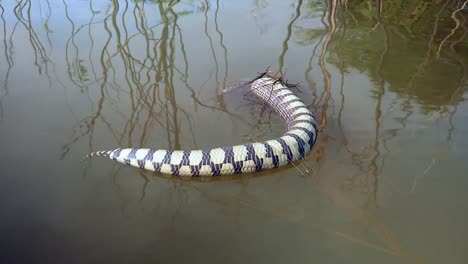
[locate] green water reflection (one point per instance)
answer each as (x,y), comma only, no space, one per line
(386,182)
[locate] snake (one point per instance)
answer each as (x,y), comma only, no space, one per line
(293,145)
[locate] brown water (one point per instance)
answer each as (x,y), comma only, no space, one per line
(386,183)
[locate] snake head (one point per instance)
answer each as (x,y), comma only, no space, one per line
(238,85)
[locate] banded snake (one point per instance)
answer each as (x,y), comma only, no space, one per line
(293,145)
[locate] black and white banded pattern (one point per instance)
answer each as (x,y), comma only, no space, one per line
(298,140)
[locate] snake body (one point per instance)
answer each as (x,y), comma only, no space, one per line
(293,145)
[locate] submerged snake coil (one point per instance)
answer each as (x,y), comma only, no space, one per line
(298,140)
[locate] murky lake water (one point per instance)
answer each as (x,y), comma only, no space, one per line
(386,183)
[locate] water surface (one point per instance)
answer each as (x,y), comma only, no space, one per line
(386,183)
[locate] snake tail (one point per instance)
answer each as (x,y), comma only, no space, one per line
(294,144)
